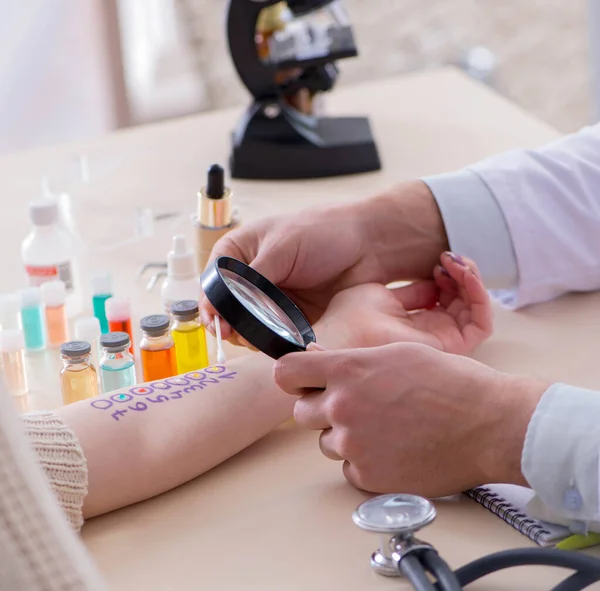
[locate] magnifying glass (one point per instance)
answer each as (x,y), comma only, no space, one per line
(255,308)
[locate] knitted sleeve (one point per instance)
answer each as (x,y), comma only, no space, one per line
(61,457)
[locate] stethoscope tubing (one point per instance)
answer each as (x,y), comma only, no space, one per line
(415,565)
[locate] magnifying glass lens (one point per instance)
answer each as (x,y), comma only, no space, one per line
(262,307)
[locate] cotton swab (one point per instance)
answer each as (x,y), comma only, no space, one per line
(220,352)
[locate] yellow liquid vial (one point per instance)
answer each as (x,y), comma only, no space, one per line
(78,384)
(190,347)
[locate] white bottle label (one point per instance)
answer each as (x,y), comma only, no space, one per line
(38,274)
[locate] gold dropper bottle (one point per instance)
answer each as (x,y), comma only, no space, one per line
(215,216)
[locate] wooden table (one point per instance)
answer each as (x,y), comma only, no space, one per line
(277,516)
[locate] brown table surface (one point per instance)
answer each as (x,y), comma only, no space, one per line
(277,516)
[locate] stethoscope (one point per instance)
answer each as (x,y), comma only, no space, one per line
(263,315)
(398,517)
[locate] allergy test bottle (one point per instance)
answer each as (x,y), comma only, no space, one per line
(78,377)
(54,296)
(117,367)
(32,319)
(12,361)
(118,314)
(48,251)
(157,348)
(189,336)
(101,291)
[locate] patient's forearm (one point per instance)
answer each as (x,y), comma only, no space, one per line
(142,441)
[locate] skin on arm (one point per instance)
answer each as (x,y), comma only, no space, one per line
(142,441)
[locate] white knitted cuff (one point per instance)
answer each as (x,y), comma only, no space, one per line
(60,455)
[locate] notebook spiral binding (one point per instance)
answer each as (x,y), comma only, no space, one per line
(508,513)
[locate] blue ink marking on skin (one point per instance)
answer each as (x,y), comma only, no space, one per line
(121,397)
(207,381)
(228,376)
(195,375)
(177,381)
(118,413)
(100,404)
(176,395)
(159,398)
(138,406)
(215,369)
(141,390)
(160,386)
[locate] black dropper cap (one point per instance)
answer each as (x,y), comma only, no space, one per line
(215,184)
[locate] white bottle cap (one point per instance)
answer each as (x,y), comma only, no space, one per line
(117,309)
(11,341)
(87,329)
(10,308)
(43,212)
(101,283)
(31,297)
(54,293)
(181,261)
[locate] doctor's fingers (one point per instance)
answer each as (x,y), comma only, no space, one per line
(297,373)
(311,411)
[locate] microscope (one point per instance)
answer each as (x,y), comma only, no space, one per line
(285,54)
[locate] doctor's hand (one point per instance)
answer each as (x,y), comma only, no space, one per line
(314,254)
(452,312)
(408,418)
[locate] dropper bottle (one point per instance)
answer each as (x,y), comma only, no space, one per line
(215,216)
(183,281)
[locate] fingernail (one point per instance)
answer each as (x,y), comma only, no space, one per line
(315,347)
(443,271)
(456,258)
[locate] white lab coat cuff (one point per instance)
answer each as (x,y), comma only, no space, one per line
(561,457)
(475,226)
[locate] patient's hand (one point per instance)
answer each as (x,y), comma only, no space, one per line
(452,312)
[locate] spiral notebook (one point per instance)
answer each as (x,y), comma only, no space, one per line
(509,502)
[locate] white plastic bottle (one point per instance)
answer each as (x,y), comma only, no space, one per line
(182,282)
(47,252)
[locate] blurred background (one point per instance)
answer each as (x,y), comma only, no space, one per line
(71,69)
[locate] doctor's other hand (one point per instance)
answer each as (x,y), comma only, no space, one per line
(314,254)
(452,312)
(409,418)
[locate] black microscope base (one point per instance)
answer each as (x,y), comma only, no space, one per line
(345,147)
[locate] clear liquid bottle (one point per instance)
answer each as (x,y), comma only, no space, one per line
(189,336)
(32,319)
(12,355)
(78,377)
(157,348)
(47,252)
(54,295)
(117,367)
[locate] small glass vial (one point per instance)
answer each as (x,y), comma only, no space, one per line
(157,348)
(88,329)
(101,291)
(189,336)
(54,296)
(32,319)
(12,355)
(78,378)
(117,367)
(10,311)
(118,314)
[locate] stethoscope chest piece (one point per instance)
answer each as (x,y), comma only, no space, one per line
(395,517)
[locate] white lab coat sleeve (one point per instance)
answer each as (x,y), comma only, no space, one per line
(548,202)
(561,458)
(475,226)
